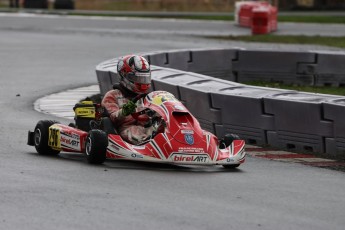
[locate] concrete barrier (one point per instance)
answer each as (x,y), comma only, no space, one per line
(209,83)
(334,111)
(330,69)
(242,112)
(298,121)
(273,66)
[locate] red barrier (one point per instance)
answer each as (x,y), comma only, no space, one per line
(245,14)
(261,17)
(274,18)
(264,19)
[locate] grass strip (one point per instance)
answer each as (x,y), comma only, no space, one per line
(311,89)
(312,19)
(284,18)
(324,19)
(289,39)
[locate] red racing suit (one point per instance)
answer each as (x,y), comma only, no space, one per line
(130,129)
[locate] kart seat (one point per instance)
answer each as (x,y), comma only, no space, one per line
(107,126)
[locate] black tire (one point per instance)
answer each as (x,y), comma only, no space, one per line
(227,140)
(231,166)
(72,125)
(96,146)
(41,135)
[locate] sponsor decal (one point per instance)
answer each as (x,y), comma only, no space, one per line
(184,131)
(138,156)
(68,141)
(138,146)
(75,136)
(189,138)
(71,141)
(114,147)
(160,98)
(190,150)
(83,111)
(201,158)
(116,153)
(86,112)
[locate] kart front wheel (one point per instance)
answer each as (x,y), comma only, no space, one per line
(96,146)
(41,135)
(227,140)
(231,166)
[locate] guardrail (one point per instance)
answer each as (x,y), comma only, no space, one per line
(206,81)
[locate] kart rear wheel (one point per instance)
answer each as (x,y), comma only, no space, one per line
(41,135)
(96,146)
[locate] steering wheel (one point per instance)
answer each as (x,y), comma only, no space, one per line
(149,112)
(138,97)
(146,111)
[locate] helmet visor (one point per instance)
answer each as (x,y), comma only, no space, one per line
(138,77)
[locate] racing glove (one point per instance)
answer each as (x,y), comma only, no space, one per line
(128,108)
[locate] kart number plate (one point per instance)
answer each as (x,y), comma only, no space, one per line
(54,138)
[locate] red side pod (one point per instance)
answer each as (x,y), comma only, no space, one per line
(69,136)
(238,146)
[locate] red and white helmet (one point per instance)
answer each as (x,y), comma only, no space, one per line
(135,73)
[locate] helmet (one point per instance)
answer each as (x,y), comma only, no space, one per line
(135,73)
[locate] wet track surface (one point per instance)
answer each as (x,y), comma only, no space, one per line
(40,56)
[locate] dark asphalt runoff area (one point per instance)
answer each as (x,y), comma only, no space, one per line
(40,55)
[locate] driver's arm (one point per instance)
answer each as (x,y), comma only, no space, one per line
(109,102)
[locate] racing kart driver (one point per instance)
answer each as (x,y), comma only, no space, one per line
(135,79)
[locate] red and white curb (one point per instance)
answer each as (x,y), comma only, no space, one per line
(284,156)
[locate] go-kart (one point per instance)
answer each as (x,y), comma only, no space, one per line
(181,141)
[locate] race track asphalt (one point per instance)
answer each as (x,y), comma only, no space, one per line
(42,55)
